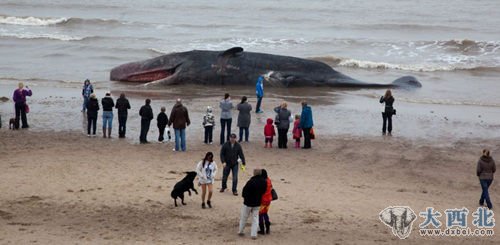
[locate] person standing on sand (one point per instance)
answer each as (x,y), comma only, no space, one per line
(226,117)
(206,170)
(388,111)
(259,91)
(162,122)
(208,125)
(265,204)
(87,90)
(123,106)
(306,124)
(229,154)
(297,133)
(244,118)
(252,198)
(146,113)
(19,98)
(179,118)
(107,114)
(92,110)
(485,170)
(283,124)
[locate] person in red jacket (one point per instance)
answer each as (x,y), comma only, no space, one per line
(269,133)
(264,205)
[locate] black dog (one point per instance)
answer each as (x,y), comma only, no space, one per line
(182,186)
(12,124)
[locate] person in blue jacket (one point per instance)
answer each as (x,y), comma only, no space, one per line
(306,123)
(259,91)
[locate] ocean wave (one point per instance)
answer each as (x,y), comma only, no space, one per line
(62,21)
(365,64)
(33,36)
(30,21)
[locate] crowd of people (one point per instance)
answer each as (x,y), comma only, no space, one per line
(257,191)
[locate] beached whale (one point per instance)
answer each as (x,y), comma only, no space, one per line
(235,67)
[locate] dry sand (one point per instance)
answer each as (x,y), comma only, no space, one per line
(65,188)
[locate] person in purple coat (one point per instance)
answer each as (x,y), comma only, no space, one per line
(19,98)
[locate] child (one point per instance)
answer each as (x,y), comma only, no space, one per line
(269,132)
(208,124)
(297,133)
(162,123)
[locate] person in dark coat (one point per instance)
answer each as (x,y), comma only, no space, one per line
(146,113)
(244,118)
(179,119)
(92,111)
(283,124)
(485,170)
(229,154)
(162,122)
(123,106)
(107,114)
(252,197)
(19,98)
(306,124)
(388,111)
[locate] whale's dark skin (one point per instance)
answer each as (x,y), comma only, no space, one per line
(235,67)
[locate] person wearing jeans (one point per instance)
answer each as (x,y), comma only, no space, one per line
(485,170)
(229,154)
(226,118)
(107,114)
(179,118)
(252,196)
(87,90)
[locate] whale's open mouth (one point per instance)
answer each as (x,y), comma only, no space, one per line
(150,76)
(134,72)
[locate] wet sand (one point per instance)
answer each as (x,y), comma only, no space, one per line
(65,188)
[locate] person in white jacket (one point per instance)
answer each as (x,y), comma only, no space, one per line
(206,170)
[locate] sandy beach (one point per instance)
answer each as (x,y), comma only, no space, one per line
(65,188)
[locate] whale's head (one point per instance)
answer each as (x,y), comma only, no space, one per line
(159,69)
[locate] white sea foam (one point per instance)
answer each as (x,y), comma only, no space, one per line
(31,21)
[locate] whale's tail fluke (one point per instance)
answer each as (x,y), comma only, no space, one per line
(407,82)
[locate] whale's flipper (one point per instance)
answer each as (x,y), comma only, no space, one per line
(407,82)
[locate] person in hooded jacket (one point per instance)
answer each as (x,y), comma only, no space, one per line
(92,111)
(122,105)
(265,204)
(485,170)
(306,124)
(146,113)
(259,91)
(269,133)
(107,114)
(179,118)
